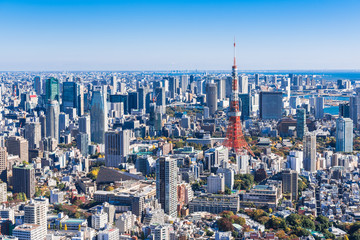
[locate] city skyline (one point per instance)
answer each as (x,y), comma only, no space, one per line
(162,36)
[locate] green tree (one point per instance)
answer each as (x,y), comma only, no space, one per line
(227,191)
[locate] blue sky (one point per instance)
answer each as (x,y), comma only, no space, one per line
(178,35)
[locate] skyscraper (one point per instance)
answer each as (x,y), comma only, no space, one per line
(290,183)
(52,119)
(142,91)
(271,105)
(117,145)
(160,96)
(344,135)
(166,184)
(82,143)
(33,134)
(221,88)
(184,82)
(300,122)
(3,164)
(245,106)
(133,100)
(319,107)
(84,126)
(114,84)
(71,96)
(98,116)
(52,89)
(38,85)
(355,108)
(173,86)
(18,146)
(42,120)
(257,79)
(309,152)
(243,84)
(24,180)
(211,97)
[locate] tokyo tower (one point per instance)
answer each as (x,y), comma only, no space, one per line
(234,136)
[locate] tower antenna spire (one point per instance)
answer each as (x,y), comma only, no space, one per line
(234,52)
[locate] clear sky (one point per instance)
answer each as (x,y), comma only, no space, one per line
(179,35)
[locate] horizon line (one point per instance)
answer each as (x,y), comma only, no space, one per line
(195,70)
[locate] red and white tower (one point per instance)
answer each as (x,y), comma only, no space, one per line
(234,136)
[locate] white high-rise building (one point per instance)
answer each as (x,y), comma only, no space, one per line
(243,84)
(3,192)
(52,120)
(36,212)
(99,220)
(125,222)
(216,183)
(117,147)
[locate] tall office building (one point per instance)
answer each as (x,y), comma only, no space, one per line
(290,183)
(300,122)
(72,97)
(18,146)
(82,143)
(216,183)
(36,212)
(133,100)
(32,133)
(84,125)
(243,84)
(173,86)
(114,84)
(257,79)
(42,120)
(98,116)
(221,88)
(166,184)
(117,146)
(3,164)
(319,107)
(228,87)
(25,180)
(344,135)
(344,110)
(64,121)
(38,85)
(245,106)
(142,91)
(160,96)
(52,119)
(309,154)
(271,105)
(52,89)
(3,193)
(355,108)
(184,83)
(211,97)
